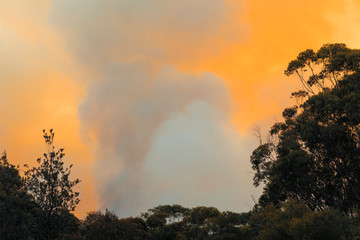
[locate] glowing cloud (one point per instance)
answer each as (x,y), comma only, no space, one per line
(126,30)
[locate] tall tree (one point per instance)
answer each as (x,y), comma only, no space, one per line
(52,189)
(314,155)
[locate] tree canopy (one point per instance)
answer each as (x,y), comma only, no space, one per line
(314,154)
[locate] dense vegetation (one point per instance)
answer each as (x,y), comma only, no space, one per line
(314,155)
(309,165)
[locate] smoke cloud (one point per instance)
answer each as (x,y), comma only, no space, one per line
(163,137)
(104,31)
(160,134)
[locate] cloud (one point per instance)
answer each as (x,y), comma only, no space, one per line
(132,52)
(138,116)
(198,158)
(127,30)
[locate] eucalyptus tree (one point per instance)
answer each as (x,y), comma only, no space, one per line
(314,154)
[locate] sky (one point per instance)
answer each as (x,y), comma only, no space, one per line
(154,101)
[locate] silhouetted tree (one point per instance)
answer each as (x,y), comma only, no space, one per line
(315,154)
(166,221)
(19,215)
(177,222)
(101,226)
(108,226)
(51,188)
(295,221)
(133,229)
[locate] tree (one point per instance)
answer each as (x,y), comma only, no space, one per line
(101,226)
(164,214)
(108,226)
(166,221)
(51,188)
(314,155)
(19,215)
(294,221)
(329,224)
(177,222)
(133,229)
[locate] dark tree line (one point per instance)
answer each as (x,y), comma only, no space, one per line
(291,220)
(309,167)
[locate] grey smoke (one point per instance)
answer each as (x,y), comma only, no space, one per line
(162,135)
(105,31)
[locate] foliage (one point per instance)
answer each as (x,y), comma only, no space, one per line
(177,222)
(51,188)
(108,226)
(18,214)
(329,224)
(315,156)
(163,214)
(294,221)
(133,229)
(97,225)
(166,221)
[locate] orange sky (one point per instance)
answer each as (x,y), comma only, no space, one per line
(43,81)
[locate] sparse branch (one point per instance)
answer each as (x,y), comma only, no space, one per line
(305,85)
(256,129)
